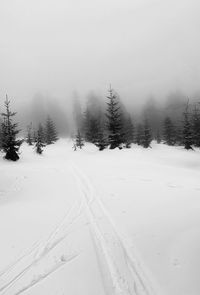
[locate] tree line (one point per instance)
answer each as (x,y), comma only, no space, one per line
(116,128)
(106,127)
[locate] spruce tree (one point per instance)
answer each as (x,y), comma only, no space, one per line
(168,132)
(146,136)
(39,144)
(187,131)
(79,140)
(114,124)
(10,144)
(51,133)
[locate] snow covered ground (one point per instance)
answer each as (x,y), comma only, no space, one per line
(95,223)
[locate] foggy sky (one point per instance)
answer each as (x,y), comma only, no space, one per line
(142,47)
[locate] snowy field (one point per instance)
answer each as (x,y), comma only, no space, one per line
(92,223)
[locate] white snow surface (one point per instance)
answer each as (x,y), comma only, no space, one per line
(113,222)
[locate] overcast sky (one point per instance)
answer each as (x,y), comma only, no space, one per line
(142,47)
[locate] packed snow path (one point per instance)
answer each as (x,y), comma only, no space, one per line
(119,271)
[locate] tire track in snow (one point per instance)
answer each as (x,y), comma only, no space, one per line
(126,272)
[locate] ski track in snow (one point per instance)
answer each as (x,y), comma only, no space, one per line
(127,275)
(39,251)
(43,276)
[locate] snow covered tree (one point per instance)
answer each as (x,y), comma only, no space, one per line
(29,137)
(51,133)
(114,124)
(168,132)
(10,144)
(146,136)
(39,144)
(187,131)
(79,140)
(196,126)
(139,133)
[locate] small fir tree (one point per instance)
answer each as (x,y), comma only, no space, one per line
(51,133)
(40,140)
(74,147)
(79,140)
(10,144)
(146,136)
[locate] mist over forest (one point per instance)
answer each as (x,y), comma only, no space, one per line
(59,58)
(63,111)
(61,49)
